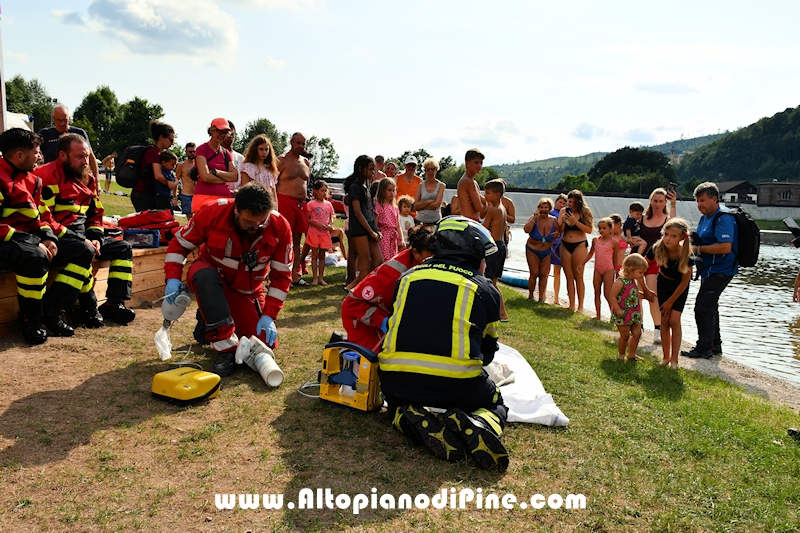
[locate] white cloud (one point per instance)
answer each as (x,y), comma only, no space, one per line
(639,136)
(587,132)
(197,29)
(487,134)
(273,63)
(294,5)
(21,57)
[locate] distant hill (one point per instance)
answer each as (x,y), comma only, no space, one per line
(765,151)
(544,173)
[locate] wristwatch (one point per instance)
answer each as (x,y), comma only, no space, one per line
(213,171)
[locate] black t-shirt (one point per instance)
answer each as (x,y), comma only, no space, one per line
(359,191)
(50,141)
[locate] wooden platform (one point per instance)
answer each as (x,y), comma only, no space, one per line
(148,285)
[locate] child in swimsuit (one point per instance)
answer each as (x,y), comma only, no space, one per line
(616,233)
(626,306)
(604,250)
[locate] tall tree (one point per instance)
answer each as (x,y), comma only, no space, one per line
(325,162)
(633,161)
(100,107)
(30,98)
(280,139)
(132,125)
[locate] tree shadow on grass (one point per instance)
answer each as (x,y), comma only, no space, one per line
(47,426)
(656,380)
(349,452)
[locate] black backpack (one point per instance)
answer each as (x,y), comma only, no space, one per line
(749,240)
(129,166)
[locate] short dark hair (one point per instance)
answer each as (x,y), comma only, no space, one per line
(637,207)
(709,188)
(474,153)
(189,145)
(419,237)
(17,139)
(496,185)
(65,141)
(167,155)
(255,198)
(379,159)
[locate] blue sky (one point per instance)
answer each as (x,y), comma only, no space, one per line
(521,80)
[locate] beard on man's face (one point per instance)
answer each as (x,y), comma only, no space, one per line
(80,173)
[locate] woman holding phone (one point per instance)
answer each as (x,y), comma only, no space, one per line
(577,221)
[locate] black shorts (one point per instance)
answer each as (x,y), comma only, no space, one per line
(666,287)
(496,261)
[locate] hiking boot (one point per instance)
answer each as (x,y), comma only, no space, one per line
(433,434)
(32,331)
(92,319)
(225,365)
(657,336)
(199,333)
(481,431)
(694,354)
(56,325)
(117,313)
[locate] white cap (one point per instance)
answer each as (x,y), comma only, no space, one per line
(410,160)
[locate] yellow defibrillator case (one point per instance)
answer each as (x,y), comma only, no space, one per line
(349,376)
(185,385)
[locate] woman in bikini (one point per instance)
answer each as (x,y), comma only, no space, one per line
(542,228)
(655,216)
(577,221)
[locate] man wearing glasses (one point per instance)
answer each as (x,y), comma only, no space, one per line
(61,119)
(242,243)
(408,182)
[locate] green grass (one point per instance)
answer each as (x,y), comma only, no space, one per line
(771,224)
(116,205)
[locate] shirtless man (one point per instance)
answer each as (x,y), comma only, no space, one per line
(183,174)
(379,164)
(108,164)
(294,171)
(472,204)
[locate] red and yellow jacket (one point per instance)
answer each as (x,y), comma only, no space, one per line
(371,300)
(213,230)
(75,207)
(20,205)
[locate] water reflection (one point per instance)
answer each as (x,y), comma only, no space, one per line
(760,323)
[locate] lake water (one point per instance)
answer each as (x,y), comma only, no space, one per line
(760,323)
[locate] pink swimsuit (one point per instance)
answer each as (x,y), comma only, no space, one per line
(603,256)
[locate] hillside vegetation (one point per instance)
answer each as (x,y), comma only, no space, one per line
(766,150)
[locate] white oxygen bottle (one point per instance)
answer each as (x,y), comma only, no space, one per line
(174,311)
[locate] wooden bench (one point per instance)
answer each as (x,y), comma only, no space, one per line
(148,285)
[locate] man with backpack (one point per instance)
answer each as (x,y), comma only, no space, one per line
(716,243)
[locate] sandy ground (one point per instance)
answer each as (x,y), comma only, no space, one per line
(754,381)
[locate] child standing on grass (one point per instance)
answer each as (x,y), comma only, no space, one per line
(405,204)
(672,253)
(495,222)
(386,215)
(318,238)
(604,249)
(616,233)
(626,306)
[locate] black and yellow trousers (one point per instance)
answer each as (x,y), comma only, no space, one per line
(30,265)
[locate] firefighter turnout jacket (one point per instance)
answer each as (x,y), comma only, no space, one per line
(213,230)
(443,328)
(75,206)
(20,199)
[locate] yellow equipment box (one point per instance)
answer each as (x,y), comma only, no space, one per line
(349,376)
(185,385)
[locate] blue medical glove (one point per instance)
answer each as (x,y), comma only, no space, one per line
(384,325)
(267,325)
(172,290)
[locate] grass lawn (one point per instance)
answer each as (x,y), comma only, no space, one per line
(651,449)
(116,205)
(771,225)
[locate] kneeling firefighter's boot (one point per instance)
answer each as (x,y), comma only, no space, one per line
(421,425)
(481,430)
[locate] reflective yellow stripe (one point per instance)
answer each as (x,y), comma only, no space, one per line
(43,209)
(124,263)
(87,286)
(390,342)
(432,365)
(69,280)
(458,225)
(127,276)
(98,204)
(491,330)
(82,209)
(72,267)
(11,231)
(31,281)
(98,228)
(32,294)
(463,307)
(491,419)
(26,211)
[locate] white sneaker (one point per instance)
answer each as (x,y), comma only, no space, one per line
(657,337)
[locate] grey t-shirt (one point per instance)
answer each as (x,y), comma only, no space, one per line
(429,216)
(50,141)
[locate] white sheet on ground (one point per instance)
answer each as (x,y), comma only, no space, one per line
(526,398)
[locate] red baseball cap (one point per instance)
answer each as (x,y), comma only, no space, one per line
(221,124)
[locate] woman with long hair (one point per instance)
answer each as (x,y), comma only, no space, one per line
(577,220)
(363,231)
(260,163)
(143,195)
(542,228)
(655,216)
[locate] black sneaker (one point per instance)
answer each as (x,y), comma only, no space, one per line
(56,325)
(694,354)
(483,442)
(32,331)
(92,319)
(117,313)
(716,351)
(436,436)
(225,365)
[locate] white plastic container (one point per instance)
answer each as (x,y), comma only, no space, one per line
(174,311)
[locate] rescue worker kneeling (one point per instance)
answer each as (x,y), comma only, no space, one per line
(442,331)
(239,243)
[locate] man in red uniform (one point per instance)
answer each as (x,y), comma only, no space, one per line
(27,242)
(370,302)
(241,243)
(71,195)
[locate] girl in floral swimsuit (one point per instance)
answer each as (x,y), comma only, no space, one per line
(626,305)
